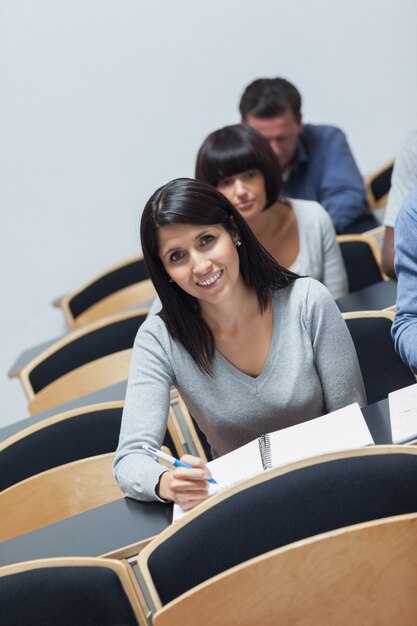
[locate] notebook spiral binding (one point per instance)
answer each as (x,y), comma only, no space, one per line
(265,451)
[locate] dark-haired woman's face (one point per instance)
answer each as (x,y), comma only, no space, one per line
(202,260)
(246,191)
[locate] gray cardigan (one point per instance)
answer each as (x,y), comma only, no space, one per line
(320,255)
(311,369)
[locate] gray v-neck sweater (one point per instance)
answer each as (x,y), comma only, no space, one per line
(311,369)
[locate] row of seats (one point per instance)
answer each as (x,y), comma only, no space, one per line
(86,360)
(62,465)
(270,516)
(98,355)
(64,369)
(293,545)
(90,431)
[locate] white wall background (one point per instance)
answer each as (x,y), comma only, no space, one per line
(102,101)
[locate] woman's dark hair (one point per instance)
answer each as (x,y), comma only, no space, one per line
(187,201)
(235,149)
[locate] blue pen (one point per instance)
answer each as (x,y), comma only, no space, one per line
(172,460)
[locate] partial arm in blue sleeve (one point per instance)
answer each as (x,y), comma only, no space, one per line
(404,330)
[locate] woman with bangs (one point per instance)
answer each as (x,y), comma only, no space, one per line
(299,234)
(250,346)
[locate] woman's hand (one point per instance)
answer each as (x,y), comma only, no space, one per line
(185,486)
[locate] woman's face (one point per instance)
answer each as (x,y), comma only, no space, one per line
(246,191)
(202,260)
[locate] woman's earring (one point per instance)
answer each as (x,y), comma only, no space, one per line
(238,243)
(170,280)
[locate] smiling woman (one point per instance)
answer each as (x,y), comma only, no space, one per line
(299,234)
(204,263)
(218,287)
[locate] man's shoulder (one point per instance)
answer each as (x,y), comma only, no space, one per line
(322,132)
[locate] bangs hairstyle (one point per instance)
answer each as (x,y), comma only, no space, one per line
(235,149)
(187,201)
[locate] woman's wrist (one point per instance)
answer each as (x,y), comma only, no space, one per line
(163,489)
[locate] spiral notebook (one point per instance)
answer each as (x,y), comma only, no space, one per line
(340,430)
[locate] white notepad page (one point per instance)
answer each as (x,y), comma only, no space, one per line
(340,430)
(403,414)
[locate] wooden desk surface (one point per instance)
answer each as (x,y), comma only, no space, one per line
(378,420)
(118,528)
(380,296)
(115,529)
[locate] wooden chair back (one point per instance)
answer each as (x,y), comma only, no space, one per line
(363,574)
(56,494)
(378,185)
(76,434)
(86,360)
(70,591)
(362,259)
(382,368)
(318,495)
(62,438)
(119,287)
(377,234)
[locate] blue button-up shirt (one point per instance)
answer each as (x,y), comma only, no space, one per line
(324,170)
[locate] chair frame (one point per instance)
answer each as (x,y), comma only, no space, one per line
(369,238)
(148,588)
(121,299)
(313,580)
(120,568)
(179,425)
(377,235)
(56,494)
(58,391)
(384,313)
(55,419)
(373,202)
(387,313)
(184,433)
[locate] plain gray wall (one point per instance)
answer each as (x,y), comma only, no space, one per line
(102,101)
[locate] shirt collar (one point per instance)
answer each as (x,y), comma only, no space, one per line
(301,155)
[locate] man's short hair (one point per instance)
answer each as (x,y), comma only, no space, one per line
(270,97)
